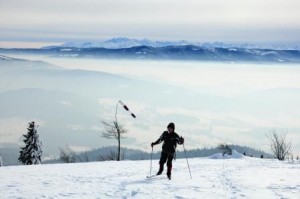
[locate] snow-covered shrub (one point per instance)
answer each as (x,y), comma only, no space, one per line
(225,149)
(67,155)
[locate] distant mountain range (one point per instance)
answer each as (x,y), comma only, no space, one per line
(123,42)
(174,52)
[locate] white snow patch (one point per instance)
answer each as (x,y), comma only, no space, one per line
(4,57)
(269,53)
(257,52)
(68,55)
(66,49)
(141,52)
(234,155)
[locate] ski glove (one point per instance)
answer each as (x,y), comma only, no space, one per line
(181,140)
(152,144)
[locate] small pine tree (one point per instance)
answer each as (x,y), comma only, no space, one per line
(31,153)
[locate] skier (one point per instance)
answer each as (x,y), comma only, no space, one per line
(170,139)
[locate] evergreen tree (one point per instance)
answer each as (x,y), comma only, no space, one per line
(31,153)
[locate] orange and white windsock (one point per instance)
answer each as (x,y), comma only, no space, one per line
(127,109)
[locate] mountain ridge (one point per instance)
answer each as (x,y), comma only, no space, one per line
(175,52)
(125,42)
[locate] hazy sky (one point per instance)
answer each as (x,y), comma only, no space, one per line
(205,20)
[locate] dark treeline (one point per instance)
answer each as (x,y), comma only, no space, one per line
(10,155)
(109,153)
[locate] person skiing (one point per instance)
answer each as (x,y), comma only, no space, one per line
(170,139)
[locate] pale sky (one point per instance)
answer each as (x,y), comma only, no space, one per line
(204,21)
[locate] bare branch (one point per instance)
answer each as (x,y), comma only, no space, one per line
(110,156)
(114,130)
(279,145)
(67,155)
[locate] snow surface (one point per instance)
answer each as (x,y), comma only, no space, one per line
(212,178)
(234,154)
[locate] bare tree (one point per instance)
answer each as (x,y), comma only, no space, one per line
(67,155)
(279,145)
(114,130)
(123,155)
(86,157)
(83,157)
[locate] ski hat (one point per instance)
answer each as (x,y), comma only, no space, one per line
(171,125)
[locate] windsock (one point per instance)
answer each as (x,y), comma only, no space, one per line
(127,109)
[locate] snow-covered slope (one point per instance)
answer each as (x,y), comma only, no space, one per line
(221,178)
(234,154)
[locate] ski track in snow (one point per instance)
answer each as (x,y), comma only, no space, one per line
(212,178)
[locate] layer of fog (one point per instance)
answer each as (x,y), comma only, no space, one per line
(210,102)
(215,78)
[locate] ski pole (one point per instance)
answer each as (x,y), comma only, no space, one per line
(151,162)
(187,161)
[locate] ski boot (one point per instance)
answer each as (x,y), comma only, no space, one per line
(161,169)
(169,172)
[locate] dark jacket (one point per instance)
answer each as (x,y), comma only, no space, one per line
(170,142)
